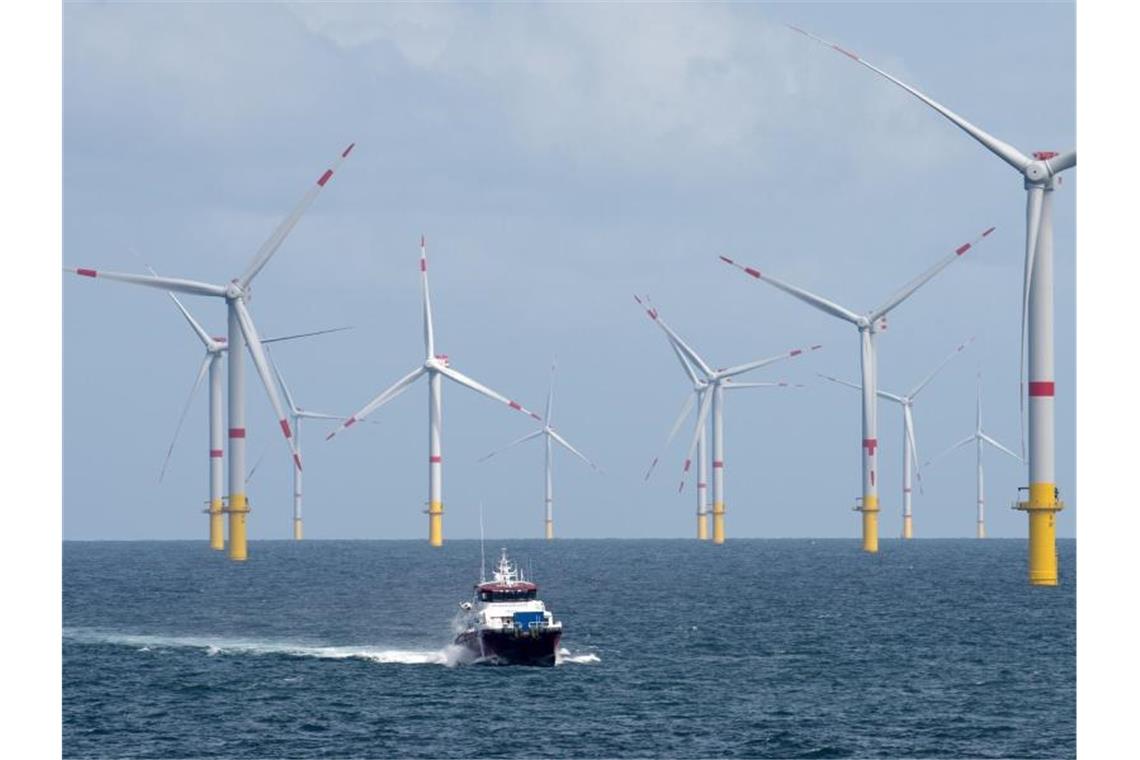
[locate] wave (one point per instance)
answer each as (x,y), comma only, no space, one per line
(448,656)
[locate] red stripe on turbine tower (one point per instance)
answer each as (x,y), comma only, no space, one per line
(237,432)
(1041,388)
(325,177)
(435,459)
(870,444)
(215,453)
(717,463)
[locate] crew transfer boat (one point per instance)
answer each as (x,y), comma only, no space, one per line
(507,624)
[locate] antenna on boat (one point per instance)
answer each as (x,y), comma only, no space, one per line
(482,555)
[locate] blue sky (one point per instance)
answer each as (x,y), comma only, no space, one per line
(559,159)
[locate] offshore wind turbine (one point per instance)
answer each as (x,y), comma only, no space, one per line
(1041,173)
(212,363)
(708,387)
(868,324)
(436,367)
(979,437)
(910,443)
(296,415)
(242,334)
(550,436)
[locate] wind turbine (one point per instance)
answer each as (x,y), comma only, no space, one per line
(910,445)
(979,437)
(1041,172)
(212,363)
(296,415)
(436,367)
(868,325)
(551,436)
(708,387)
(242,334)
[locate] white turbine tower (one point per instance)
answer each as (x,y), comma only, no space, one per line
(436,367)
(550,436)
(868,325)
(979,437)
(1041,172)
(708,388)
(242,334)
(296,415)
(910,442)
(212,363)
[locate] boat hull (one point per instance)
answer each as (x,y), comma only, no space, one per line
(538,649)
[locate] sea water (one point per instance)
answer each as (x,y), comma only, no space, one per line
(757,648)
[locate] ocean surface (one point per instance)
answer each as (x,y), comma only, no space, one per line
(776,649)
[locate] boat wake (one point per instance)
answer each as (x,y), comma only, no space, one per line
(218,645)
(214,646)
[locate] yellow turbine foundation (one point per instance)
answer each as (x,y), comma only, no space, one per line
(981,529)
(718,522)
(908,526)
(549,530)
(702,527)
(238,509)
(870,511)
(297,531)
(1042,508)
(435,523)
(217,537)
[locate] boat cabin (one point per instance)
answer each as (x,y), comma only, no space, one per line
(519,591)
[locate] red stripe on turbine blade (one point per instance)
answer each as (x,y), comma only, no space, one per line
(237,432)
(348,150)
(795,352)
(285,429)
(325,177)
(514,405)
(297,461)
(717,463)
(350,422)
(423,265)
(687,463)
(987,232)
(847,53)
(215,453)
(436,459)
(797,29)
(727,260)
(532,414)
(86,272)
(817,346)
(423,241)
(1041,388)
(754,272)
(962,248)
(870,444)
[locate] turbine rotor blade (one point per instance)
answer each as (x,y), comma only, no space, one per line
(999,447)
(742,368)
(257,354)
(961,347)
(484,390)
(908,289)
(702,416)
(1002,150)
(678,343)
(270,246)
(1066,160)
(425,294)
(512,444)
(297,336)
(807,297)
(191,287)
(968,439)
(182,417)
(685,409)
(559,439)
(385,396)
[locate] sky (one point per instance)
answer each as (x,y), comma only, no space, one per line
(559,159)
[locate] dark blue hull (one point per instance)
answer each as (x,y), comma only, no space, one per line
(538,648)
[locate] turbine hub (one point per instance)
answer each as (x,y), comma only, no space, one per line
(1038,171)
(233,291)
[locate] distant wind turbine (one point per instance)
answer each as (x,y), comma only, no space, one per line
(708,388)
(979,437)
(436,367)
(910,445)
(550,436)
(868,325)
